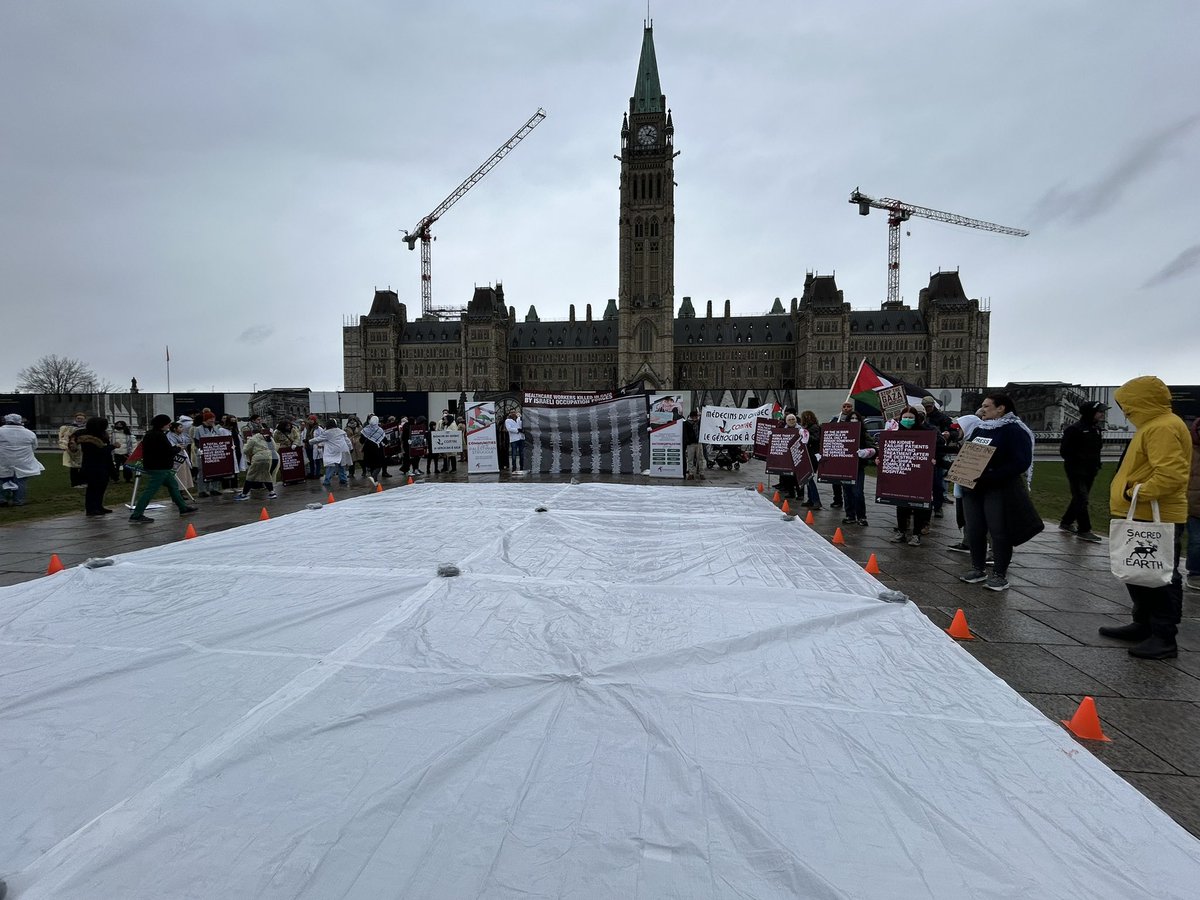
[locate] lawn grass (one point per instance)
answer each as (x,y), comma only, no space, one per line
(50,494)
(1051,494)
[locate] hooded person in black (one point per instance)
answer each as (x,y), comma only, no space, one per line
(1080,450)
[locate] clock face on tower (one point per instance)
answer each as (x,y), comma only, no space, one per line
(646,135)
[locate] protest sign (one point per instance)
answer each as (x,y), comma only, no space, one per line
(216,457)
(839,451)
(762,436)
(586,432)
(726,425)
(291,465)
(446,441)
(892,400)
(972,459)
(482,454)
(666,450)
(665,408)
(904,468)
(801,463)
(779,456)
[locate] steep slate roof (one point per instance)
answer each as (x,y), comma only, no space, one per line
(647,94)
(584,335)
(887,321)
(386,303)
(944,286)
(431,333)
(821,290)
(722,331)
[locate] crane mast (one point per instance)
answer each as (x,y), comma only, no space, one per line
(420,231)
(899,212)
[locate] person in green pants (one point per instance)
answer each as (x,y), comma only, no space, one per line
(158,467)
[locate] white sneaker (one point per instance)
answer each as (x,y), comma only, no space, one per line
(372,480)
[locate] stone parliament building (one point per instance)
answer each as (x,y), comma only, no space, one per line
(814,343)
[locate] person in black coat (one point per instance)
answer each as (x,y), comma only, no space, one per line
(1080,451)
(97,465)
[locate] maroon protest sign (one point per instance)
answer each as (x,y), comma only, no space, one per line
(839,451)
(291,465)
(801,464)
(216,457)
(904,467)
(779,457)
(762,436)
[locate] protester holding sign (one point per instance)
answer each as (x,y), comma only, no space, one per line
(693,450)
(211,471)
(863,449)
(809,422)
(998,506)
(1157,463)
(158,463)
(915,505)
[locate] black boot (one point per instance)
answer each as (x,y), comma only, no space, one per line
(1134,631)
(1155,647)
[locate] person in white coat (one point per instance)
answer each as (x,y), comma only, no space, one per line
(18,459)
(335,450)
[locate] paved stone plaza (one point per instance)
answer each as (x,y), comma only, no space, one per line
(1040,636)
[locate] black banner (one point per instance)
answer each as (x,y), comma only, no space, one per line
(586,433)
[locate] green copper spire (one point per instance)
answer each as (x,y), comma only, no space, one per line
(647,94)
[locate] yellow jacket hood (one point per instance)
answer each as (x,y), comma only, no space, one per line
(1143,399)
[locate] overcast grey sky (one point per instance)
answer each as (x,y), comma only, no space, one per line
(232,178)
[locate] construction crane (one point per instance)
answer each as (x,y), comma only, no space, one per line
(898,212)
(420,231)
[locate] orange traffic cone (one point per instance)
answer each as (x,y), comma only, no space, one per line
(55,564)
(872,566)
(761,489)
(264,515)
(378,488)
(190,533)
(330,500)
(809,520)
(958,628)
(787,510)
(410,481)
(1085,723)
(837,537)
(775,499)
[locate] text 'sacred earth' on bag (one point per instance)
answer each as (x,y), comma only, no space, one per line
(1142,553)
(839,451)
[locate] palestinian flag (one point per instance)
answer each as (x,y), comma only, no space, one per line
(869,380)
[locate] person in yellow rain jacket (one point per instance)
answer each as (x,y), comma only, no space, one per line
(1158,462)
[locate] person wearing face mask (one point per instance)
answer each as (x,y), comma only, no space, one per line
(843,416)
(913,419)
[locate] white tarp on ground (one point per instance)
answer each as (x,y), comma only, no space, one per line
(641,692)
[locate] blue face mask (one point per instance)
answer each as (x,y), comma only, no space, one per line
(907,422)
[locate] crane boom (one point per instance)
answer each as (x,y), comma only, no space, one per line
(898,212)
(420,231)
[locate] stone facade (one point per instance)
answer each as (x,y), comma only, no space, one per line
(816,343)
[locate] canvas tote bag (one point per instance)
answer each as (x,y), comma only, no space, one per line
(1142,553)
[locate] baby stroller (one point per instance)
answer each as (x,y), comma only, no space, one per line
(728,458)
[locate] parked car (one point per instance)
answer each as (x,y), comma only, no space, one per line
(874,425)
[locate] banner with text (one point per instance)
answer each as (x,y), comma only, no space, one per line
(217,458)
(892,400)
(445,442)
(839,451)
(802,467)
(904,468)
(482,455)
(729,425)
(593,433)
(666,450)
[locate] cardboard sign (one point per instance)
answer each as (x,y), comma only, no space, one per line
(892,400)
(904,468)
(216,457)
(972,459)
(839,452)
(763,428)
(779,450)
(447,441)
(291,465)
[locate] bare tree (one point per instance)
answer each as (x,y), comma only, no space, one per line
(55,374)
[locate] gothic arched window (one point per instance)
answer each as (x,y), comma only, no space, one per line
(645,337)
